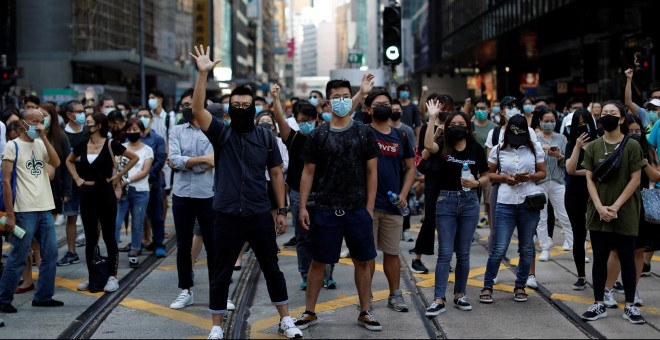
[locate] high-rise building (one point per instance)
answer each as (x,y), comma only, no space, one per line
(95,42)
(308,51)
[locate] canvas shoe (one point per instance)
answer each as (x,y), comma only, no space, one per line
(216,333)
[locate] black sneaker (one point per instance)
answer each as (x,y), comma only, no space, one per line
(646,271)
(291,242)
(68,258)
(580,284)
(618,287)
(462,303)
(633,315)
(306,320)
(368,321)
(49,303)
(435,309)
(595,312)
(7,308)
(418,267)
(411,250)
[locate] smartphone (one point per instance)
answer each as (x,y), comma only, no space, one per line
(583,129)
(554,148)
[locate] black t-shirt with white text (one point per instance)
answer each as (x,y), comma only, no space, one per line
(452,165)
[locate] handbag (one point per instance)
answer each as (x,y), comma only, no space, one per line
(13,182)
(651,201)
(420,162)
(608,168)
(116,185)
(98,272)
(535,202)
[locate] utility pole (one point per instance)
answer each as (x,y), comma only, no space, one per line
(143,85)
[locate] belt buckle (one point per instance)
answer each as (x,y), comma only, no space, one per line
(340,213)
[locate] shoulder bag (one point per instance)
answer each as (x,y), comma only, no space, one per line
(608,168)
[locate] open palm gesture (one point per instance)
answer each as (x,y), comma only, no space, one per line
(204,63)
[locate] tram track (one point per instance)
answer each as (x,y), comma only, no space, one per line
(86,324)
(563,309)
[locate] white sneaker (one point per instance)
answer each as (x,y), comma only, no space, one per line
(185,298)
(288,328)
(545,256)
(344,254)
(59,220)
(111,285)
(230,305)
(638,300)
(586,260)
(495,280)
(531,282)
(83,286)
(567,246)
(79,221)
(80,240)
(609,300)
(216,333)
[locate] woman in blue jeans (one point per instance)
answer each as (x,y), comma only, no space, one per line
(136,192)
(457,207)
(517,164)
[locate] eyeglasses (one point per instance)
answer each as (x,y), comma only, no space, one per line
(340,97)
(241,105)
(483,108)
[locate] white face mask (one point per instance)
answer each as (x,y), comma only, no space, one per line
(511,112)
(107,110)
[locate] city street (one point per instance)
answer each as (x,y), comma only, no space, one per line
(144,313)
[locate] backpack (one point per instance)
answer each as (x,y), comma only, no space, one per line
(496,136)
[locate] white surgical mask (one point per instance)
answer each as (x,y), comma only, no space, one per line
(511,112)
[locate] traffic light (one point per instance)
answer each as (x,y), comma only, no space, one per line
(8,76)
(392,35)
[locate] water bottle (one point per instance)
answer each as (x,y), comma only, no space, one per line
(18,231)
(394,198)
(465,173)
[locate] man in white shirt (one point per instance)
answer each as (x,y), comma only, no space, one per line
(30,208)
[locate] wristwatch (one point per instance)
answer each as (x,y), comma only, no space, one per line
(282,211)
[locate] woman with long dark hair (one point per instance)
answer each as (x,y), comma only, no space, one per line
(582,132)
(98,203)
(457,207)
(613,209)
(516,164)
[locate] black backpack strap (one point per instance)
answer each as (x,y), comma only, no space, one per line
(495,139)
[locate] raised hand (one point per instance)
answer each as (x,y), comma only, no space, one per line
(275,90)
(433,107)
(628,73)
(204,63)
(367,83)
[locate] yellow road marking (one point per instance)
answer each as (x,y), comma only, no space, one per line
(176,315)
(173,266)
(260,325)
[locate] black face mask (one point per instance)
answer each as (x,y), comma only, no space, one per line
(242,120)
(133,136)
(382,112)
(636,136)
(266,125)
(395,116)
(457,133)
(609,123)
(187,114)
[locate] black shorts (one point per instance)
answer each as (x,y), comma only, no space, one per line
(328,229)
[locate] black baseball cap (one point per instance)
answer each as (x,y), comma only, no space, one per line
(509,100)
(517,130)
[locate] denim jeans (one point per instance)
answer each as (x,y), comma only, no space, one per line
(185,211)
(136,201)
(155,213)
(40,226)
(507,218)
(456,218)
